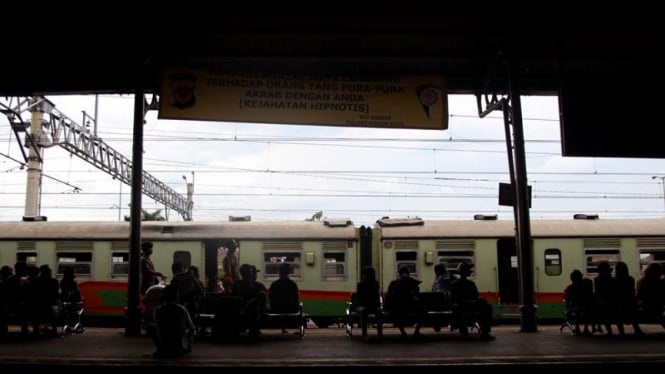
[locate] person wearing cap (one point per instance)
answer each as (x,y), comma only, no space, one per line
(465,299)
(253,298)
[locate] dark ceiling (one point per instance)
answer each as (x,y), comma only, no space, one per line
(58,52)
(108,49)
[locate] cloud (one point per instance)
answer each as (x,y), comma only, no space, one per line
(283,172)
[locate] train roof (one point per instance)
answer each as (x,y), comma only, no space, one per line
(506,228)
(329,229)
(180,230)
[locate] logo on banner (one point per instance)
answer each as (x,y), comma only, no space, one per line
(182,90)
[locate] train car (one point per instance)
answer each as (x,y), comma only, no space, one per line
(325,259)
(327,256)
(324,256)
(99,253)
(559,247)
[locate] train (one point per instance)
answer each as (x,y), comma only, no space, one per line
(327,256)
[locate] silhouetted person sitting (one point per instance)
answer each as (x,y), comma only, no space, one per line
(253,296)
(368,301)
(650,292)
(189,290)
(465,299)
(175,329)
(442,281)
(605,291)
(402,299)
(579,299)
(626,303)
(284,294)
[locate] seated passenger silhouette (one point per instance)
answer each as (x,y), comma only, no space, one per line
(605,291)
(579,298)
(175,329)
(465,299)
(368,301)
(253,299)
(626,303)
(189,290)
(284,294)
(402,299)
(442,282)
(650,293)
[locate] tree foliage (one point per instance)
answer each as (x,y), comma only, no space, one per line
(316,216)
(148,216)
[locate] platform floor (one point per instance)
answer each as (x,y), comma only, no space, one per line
(331,348)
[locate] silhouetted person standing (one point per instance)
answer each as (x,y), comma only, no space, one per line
(149,276)
(231,266)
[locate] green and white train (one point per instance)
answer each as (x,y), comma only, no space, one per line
(327,256)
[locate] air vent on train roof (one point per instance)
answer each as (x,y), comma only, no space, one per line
(586,216)
(337,222)
(240,218)
(409,221)
(168,229)
(483,217)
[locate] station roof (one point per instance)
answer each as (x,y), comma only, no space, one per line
(52,51)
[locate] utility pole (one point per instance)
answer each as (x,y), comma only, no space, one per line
(662,183)
(38,107)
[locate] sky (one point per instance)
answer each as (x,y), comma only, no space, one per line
(290,172)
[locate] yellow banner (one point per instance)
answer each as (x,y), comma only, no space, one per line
(213,94)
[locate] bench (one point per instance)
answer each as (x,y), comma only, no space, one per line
(570,321)
(438,314)
(66,319)
(222,314)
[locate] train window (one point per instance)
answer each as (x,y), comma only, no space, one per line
(273,259)
(29,257)
(408,259)
(553,261)
(647,256)
(593,257)
(119,264)
(334,265)
(452,259)
(81,261)
(183,257)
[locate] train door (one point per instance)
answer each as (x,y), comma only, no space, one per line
(507,276)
